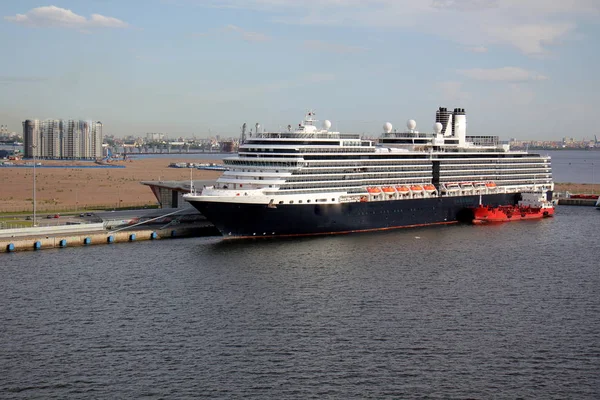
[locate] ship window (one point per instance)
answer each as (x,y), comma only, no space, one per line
(332,199)
(291,201)
(299,201)
(281,202)
(308,201)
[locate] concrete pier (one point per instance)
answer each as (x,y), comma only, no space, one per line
(576,202)
(57,240)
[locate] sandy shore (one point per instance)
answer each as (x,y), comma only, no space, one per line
(63,188)
(80,188)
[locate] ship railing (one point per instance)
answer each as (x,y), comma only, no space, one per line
(212,191)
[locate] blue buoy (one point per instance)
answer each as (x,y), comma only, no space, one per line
(37,245)
(87,240)
(10,247)
(110,239)
(132,237)
(62,243)
(153,235)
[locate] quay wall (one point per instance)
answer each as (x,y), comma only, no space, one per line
(58,240)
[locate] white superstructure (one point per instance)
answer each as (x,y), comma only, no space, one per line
(312,164)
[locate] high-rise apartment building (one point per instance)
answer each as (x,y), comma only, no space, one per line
(62,139)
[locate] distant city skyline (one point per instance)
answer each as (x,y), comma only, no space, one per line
(189,67)
(62,139)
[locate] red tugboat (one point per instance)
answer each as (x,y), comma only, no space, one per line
(532,206)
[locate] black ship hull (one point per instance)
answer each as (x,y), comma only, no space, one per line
(238,220)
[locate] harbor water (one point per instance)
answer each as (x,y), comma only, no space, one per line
(461,311)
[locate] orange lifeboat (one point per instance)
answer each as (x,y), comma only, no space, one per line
(388,189)
(403,189)
(416,188)
(429,188)
(490,185)
(373,190)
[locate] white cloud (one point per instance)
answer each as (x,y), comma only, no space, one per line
(21,79)
(253,91)
(464,5)
(452,92)
(476,49)
(505,74)
(520,94)
(319,77)
(56,17)
(531,39)
(530,26)
(248,36)
(318,45)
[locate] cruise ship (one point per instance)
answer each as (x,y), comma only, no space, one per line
(309,180)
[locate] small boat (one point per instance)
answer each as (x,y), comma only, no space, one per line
(416,188)
(402,189)
(531,206)
(490,185)
(429,188)
(373,190)
(388,189)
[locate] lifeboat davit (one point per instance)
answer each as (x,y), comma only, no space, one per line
(389,189)
(373,190)
(416,188)
(429,188)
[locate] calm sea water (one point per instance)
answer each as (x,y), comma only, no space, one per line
(576,166)
(502,311)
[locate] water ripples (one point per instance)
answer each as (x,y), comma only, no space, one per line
(504,311)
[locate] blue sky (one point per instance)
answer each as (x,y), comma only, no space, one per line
(520,68)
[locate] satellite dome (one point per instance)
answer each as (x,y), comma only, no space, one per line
(326,124)
(437,127)
(387,127)
(411,124)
